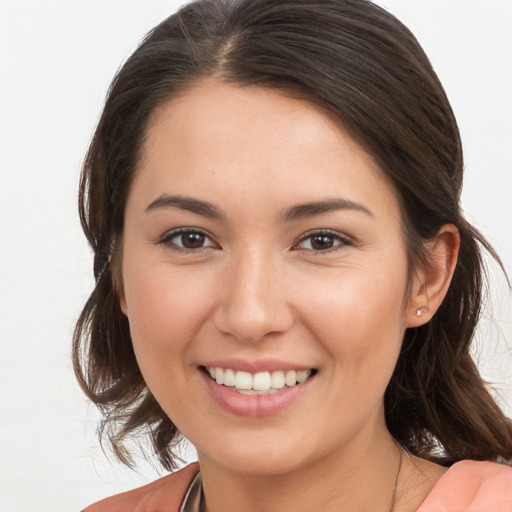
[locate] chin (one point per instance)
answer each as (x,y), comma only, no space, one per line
(260,464)
(265,456)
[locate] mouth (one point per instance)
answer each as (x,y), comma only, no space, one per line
(261,383)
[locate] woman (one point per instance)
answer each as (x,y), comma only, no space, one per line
(284,275)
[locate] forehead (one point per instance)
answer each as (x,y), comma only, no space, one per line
(219,138)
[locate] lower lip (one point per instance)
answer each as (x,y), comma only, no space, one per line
(254,406)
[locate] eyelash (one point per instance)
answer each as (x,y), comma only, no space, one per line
(342,240)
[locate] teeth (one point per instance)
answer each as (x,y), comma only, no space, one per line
(254,392)
(302,375)
(261,383)
(278,380)
(290,378)
(229,378)
(219,375)
(248,391)
(243,380)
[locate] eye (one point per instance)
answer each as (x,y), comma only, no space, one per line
(323,241)
(187,239)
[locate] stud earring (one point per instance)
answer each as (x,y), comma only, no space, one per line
(421,310)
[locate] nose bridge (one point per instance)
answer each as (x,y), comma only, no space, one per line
(253,304)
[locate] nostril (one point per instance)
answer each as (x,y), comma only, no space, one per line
(251,326)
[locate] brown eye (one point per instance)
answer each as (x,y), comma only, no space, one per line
(192,240)
(187,239)
(323,241)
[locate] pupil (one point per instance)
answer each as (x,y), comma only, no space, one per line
(321,242)
(193,240)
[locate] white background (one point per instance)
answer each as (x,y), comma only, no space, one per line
(56,61)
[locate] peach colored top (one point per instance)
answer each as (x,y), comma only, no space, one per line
(471,486)
(467,486)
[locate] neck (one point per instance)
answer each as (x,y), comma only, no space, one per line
(360,475)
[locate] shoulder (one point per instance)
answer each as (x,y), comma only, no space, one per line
(472,486)
(164,494)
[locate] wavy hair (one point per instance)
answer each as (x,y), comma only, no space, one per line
(360,63)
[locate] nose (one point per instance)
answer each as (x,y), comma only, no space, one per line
(254,300)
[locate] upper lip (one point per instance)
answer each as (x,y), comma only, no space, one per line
(255,365)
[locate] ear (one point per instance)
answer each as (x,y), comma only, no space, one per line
(430,286)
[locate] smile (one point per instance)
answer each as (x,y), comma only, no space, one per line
(261,383)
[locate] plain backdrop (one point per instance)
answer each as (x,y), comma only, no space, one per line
(56,61)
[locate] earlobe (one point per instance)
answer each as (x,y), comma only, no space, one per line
(429,289)
(119,290)
(118,285)
(122,303)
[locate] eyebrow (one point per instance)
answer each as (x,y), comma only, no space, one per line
(186,203)
(291,214)
(313,208)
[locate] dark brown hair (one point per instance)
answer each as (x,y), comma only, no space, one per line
(359,62)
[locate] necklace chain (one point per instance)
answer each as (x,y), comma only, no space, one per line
(393,495)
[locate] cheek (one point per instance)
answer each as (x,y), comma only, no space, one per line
(359,317)
(165,309)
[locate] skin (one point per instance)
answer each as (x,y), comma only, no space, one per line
(257,289)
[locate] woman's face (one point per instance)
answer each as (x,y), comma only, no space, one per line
(263,245)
